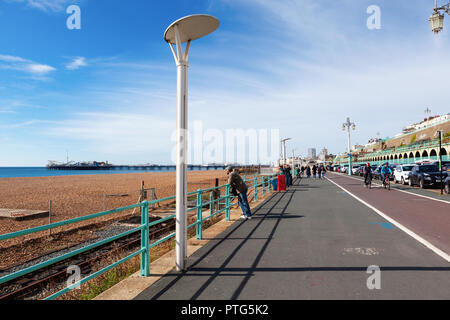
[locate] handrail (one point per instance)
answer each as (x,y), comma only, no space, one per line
(258,182)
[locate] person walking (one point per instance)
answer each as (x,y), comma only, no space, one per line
(319,172)
(314,171)
(324,170)
(239,189)
(308,172)
(288,175)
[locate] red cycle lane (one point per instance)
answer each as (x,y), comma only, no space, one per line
(430,219)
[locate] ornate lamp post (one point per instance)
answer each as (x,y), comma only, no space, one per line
(346,126)
(437,18)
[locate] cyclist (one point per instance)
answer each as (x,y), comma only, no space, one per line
(385,171)
(367,173)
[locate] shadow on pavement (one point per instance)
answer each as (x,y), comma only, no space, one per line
(218,271)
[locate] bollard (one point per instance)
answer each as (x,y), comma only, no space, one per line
(199,214)
(227,203)
(145,239)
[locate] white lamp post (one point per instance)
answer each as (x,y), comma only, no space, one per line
(283,143)
(184,30)
(437,19)
(346,126)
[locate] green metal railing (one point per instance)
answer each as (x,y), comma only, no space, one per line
(260,184)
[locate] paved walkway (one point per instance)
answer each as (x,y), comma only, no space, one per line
(314,241)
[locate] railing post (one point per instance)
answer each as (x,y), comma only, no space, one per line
(269,186)
(227,203)
(199,214)
(211,204)
(263,187)
(255,184)
(145,239)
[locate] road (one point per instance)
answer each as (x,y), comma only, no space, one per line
(316,241)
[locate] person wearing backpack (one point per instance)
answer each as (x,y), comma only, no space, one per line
(240,189)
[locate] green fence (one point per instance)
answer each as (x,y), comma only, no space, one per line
(404,161)
(261,186)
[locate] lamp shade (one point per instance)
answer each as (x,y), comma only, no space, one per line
(436,22)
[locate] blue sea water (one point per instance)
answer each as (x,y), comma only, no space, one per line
(22,172)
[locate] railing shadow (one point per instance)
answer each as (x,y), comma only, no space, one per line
(228,236)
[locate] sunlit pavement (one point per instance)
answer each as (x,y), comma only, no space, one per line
(316,241)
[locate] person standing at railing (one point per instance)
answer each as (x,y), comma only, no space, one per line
(239,189)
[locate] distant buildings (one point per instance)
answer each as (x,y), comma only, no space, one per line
(427,122)
(323,154)
(312,153)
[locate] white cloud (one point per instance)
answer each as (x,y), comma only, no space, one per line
(45,5)
(24,65)
(116,133)
(77,63)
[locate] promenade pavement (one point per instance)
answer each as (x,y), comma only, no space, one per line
(317,241)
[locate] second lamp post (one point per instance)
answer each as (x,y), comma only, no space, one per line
(347,126)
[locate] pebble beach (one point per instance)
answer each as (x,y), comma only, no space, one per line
(75,196)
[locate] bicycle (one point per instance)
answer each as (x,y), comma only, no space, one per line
(387,182)
(368,182)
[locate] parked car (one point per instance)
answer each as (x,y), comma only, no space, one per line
(401,173)
(360,171)
(355,169)
(445,165)
(447,185)
(376,173)
(426,175)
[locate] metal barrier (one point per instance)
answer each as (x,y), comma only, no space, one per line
(259,182)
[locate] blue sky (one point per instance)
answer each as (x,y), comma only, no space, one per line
(107,91)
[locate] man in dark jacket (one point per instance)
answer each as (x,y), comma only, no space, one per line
(236,183)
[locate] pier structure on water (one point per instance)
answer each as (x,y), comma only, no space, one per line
(147,167)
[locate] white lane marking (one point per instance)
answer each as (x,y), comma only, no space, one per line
(397,189)
(427,244)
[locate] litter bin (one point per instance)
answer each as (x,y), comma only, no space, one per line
(275,184)
(281,183)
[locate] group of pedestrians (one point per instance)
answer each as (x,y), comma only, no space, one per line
(316,171)
(239,189)
(287,171)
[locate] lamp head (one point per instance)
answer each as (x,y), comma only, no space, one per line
(436,22)
(191,28)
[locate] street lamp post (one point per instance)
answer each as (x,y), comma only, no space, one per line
(293,162)
(283,144)
(184,30)
(440,161)
(437,18)
(346,126)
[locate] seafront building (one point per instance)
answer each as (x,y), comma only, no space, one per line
(415,143)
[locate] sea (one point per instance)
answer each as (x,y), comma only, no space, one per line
(25,172)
